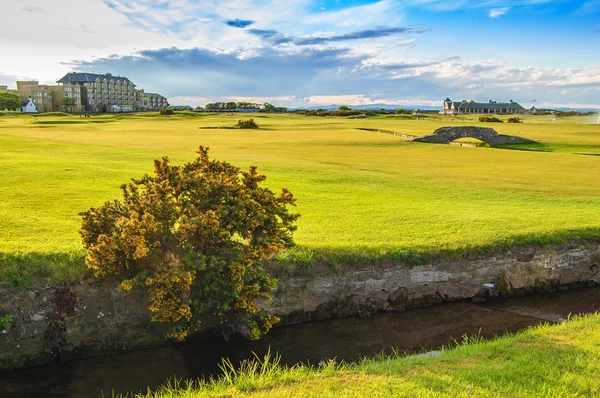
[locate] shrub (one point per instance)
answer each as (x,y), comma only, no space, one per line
(166,112)
(196,236)
(489,119)
(515,120)
(247,124)
(318,112)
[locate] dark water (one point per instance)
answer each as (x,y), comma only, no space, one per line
(343,339)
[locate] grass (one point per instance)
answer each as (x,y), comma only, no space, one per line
(363,196)
(546,361)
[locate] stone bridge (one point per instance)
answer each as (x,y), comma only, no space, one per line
(445,135)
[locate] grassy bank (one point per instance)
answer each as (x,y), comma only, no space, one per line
(362,195)
(548,361)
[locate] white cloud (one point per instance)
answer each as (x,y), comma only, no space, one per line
(199,58)
(498,12)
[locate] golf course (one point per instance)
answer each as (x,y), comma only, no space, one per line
(362,195)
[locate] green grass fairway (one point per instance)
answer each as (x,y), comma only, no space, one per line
(362,195)
(548,361)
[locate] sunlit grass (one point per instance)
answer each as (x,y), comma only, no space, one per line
(558,360)
(363,196)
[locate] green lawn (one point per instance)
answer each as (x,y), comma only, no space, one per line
(547,361)
(362,195)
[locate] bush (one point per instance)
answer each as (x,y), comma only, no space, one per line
(318,112)
(166,112)
(515,120)
(196,236)
(489,119)
(247,124)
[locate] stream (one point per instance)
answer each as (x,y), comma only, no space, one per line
(342,339)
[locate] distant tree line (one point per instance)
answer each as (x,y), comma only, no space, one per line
(250,106)
(219,106)
(274,109)
(561,113)
(180,108)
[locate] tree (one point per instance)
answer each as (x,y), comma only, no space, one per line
(270,108)
(401,111)
(196,236)
(10,101)
(344,108)
(68,103)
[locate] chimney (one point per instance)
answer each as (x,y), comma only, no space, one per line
(464,101)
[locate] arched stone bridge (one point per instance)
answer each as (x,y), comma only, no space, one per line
(445,135)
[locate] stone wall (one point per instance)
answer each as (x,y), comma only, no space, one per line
(396,288)
(91,317)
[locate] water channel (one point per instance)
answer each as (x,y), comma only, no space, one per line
(343,339)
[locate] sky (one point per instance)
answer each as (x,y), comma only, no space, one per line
(303,53)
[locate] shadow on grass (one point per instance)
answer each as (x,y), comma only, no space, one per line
(302,260)
(53,122)
(29,269)
(575,149)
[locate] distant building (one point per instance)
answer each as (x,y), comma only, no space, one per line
(28,106)
(91,92)
(472,107)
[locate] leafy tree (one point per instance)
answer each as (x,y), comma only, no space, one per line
(231,105)
(401,111)
(10,101)
(196,236)
(68,103)
(344,108)
(274,109)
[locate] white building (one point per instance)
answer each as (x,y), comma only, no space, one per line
(28,106)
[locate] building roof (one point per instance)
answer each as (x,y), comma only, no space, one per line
(487,105)
(26,102)
(79,77)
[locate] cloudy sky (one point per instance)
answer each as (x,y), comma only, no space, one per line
(315,52)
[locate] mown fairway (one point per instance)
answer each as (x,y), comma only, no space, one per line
(360,193)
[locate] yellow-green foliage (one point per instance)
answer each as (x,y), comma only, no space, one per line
(362,195)
(548,361)
(196,236)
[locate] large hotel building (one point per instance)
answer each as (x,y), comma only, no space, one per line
(91,92)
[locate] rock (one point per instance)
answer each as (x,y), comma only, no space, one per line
(37,318)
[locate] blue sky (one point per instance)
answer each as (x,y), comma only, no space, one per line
(316,52)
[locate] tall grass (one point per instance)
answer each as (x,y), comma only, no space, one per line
(549,360)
